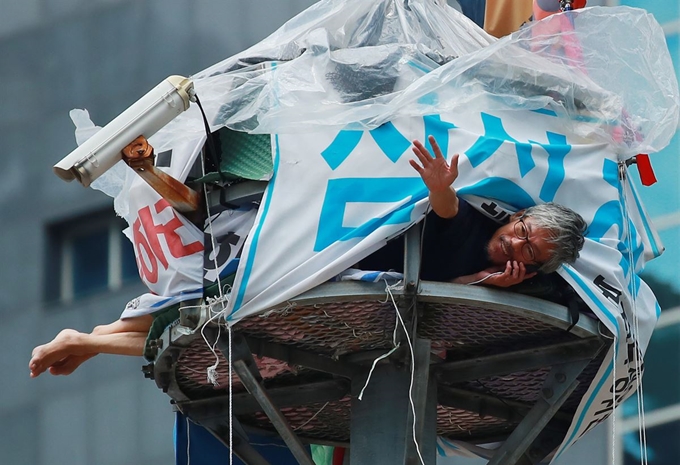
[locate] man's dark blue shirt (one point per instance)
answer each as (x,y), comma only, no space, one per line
(452,247)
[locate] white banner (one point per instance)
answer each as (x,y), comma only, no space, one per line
(343,193)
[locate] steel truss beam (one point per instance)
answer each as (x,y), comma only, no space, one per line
(521,360)
(244,403)
(559,384)
(488,405)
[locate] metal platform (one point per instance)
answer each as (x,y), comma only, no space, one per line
(489,366)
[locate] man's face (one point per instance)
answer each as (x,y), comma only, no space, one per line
(520,240)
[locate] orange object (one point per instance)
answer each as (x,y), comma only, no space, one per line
(503,17)
(139,156)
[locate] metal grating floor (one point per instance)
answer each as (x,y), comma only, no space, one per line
(457,331)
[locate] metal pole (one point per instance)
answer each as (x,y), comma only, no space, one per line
(379,423)
(425,403)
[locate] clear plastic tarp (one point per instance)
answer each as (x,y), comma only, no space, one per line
(605,71)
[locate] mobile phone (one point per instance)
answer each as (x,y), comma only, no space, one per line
(532,268)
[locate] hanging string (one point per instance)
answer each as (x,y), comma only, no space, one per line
(370,372)
(231,402)
(395,345)
(613,440)
(496,273)
(413,372)
(211,372)
(642,428)
(615,345)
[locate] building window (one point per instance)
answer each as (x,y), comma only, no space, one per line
(88,255)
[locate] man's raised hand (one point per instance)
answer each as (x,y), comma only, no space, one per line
(437,174)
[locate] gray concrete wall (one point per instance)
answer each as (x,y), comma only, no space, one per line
(102,55)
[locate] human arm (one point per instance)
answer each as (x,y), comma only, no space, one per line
(438,176)
(71,348)
(513,273)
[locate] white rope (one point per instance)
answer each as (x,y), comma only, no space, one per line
(370,373)
(615,356)
(613,440)
(485,278)
(231,403)
(394,342)
(413,373)
(642,430)
(212,370)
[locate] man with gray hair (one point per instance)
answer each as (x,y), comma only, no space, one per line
(462,245)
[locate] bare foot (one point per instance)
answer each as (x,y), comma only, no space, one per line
(64,345)
(69,364)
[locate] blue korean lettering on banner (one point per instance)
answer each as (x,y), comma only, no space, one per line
(343,144)
(393,144)
(607,216)
(434,126)
(557,149)
(390,140)
(610,172)
(340,192)
(494,136)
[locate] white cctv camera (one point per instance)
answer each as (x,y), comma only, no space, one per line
(144,118)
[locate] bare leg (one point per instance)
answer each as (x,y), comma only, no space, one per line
(70,348)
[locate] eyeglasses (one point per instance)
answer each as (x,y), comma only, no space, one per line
(522,232)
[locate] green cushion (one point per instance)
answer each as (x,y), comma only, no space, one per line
(244,156)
